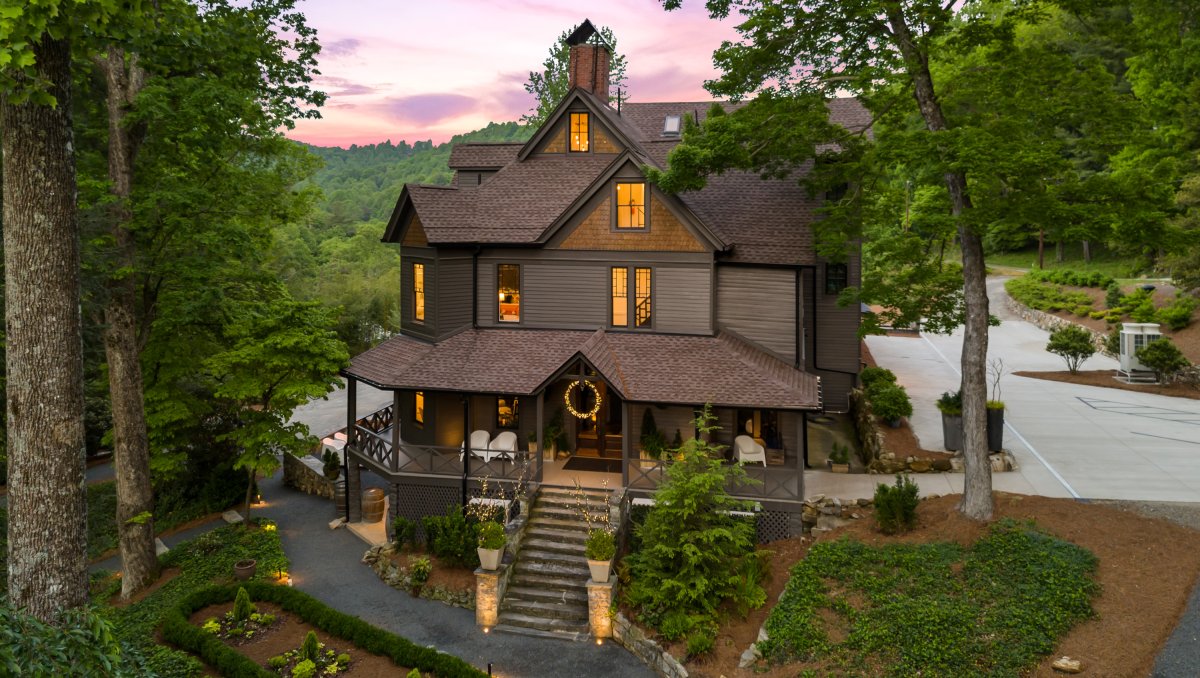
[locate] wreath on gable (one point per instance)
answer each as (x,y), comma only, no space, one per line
(578,412)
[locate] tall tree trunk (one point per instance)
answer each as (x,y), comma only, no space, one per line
(135,498)
(1042,248)
(1058,252)
(977,485)
(1087,251)
(47,542)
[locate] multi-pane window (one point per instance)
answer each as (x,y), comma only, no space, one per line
(620,297)
(419,292)
(508,412)
(419,408)
(508,282)
(631,205)
(641,297)
(579,132)
(835,278)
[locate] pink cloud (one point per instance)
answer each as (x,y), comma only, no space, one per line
(340,48)
(427,109)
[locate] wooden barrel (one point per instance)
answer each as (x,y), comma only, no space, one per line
(339,497)
(372,505)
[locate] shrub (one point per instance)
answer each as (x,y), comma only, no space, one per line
(701,640)
(277,662)
(1112,295)
(890,403)
(330,465)
(654,443)
(950,403)
(491,535)
(601,545)
(692,547)
(1098,315)
(305,669)
(1144,312)
(871,376)
(415,673)
(242,607)
(1073,344)
(404,532)
(1164,357)
(311,647)
(420,569)
(896,507)
(839,453)
(343,658)
(1045,296)
(1112,341)
(452,537)
(1178,314)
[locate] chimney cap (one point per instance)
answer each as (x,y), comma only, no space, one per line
(585,31)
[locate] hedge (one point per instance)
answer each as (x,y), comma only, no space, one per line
(177,630)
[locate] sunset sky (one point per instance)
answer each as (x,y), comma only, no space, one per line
(415,70)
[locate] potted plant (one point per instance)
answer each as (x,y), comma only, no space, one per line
(652,440)
(554,434)
(950,405)
(995,407)
(332,466)
(532,441)
(244,569)
(491,545)
(839,458)
(891,403)
(600,549)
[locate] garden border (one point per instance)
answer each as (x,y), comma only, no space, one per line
(176,630)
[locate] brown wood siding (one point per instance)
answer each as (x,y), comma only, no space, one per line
(408,323)
(454,294)
(759,304)
(603,143)
(564,295)
(666,232)
(682,300)
(414,234)
(668,420)
(837,346)
(556,139)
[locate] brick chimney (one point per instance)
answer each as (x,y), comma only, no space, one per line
(589,61)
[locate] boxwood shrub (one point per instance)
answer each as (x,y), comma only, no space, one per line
(175,629)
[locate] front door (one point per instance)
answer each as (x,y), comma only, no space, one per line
(599,434)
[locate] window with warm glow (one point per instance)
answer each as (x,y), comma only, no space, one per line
(631,205)
(508,284)
(579,132)
(641,310)
(508,412)
(620,297)
(419,408)
(419,292)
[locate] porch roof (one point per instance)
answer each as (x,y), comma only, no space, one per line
(677,369)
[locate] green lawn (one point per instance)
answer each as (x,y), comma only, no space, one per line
(1104,261)
(994,609)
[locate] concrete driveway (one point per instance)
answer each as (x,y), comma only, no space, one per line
(326,415)
(1068,440)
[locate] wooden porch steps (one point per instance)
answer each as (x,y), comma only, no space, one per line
(547,595)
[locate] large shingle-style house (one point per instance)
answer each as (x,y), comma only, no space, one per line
(551,283)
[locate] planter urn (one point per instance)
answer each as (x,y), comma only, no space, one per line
(244,569)
(952,431)
(995,429)
(839,468)
(600,569)
(489,559)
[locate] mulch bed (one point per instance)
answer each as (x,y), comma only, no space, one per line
(1147,567)
(453,578)
(289,632)
(1104,379)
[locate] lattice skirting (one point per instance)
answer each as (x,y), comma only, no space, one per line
(776,525)
(414,501)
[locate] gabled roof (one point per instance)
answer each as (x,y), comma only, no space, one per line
(483,156)
(686,370)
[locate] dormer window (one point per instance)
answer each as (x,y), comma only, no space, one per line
(672,125)
(579,132)
(631,205)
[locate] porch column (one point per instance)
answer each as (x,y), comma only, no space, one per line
(626,443)
(353,475)
(396,430)
(802,461)
(541,444)
(466,446)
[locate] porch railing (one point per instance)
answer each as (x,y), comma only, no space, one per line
(779,482)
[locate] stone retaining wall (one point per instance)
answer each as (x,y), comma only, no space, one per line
(307,475)
(870,440)
(632,638)
(378,558)
(1050,322)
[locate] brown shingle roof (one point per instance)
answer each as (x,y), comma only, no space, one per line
(478,155)
(689,370)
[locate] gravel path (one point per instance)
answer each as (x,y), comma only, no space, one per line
(1180,656)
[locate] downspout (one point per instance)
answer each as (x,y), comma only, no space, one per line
(799,308)
(475,288)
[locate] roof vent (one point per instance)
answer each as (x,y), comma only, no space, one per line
(672,125)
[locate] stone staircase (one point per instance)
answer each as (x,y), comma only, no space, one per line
(547,594)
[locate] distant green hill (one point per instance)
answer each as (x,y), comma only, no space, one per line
(362,183)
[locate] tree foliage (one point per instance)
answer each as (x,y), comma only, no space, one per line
(1073,344)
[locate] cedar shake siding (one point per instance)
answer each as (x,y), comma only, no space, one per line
(759,304)
(414,234)
(665,233)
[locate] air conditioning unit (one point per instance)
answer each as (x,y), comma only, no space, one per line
(1133,337)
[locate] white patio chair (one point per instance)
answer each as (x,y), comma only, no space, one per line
(504,445)
(749,451)
(478,444)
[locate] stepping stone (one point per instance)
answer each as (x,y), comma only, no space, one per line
(159,547)
(336,523)
(232,516)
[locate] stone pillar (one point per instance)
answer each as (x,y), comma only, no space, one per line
(600,598)
(487,596)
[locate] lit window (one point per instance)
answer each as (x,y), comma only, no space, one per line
(508,277)
(419,408)
(835,278)
(631,205)
(641,311)
(579,132)
(507,412)
(620,297)
(419,292)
